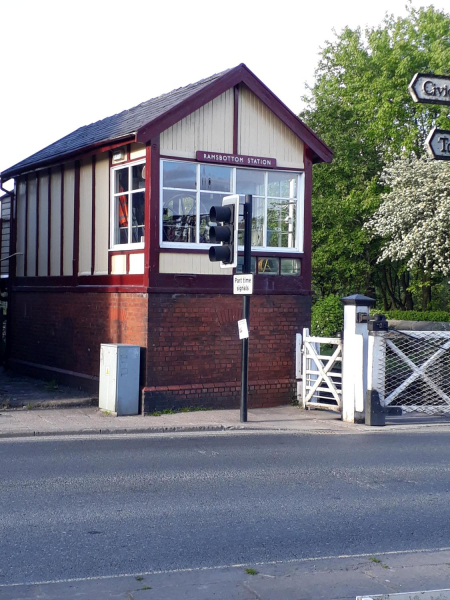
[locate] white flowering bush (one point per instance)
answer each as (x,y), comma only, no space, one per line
(414,216)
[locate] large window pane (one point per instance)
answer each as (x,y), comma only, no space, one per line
(281,215)
(249,181)
(121,180)
(214,178)
(179,218)
(121,219)
(179,175)
(290,266)
(268,266)
(138,177)
(206,202)
(257,221)
(282,185)
(138,215)
(240,264)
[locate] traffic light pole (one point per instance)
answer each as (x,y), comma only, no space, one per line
(246,270)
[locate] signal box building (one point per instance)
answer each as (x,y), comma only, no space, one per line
(111,225)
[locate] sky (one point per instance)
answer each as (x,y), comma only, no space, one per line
(67,64)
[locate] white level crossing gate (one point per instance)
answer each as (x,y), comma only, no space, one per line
(414,371)
(322,372)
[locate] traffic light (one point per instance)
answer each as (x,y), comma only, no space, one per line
(226,234)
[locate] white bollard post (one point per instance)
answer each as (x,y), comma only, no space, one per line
(354,364)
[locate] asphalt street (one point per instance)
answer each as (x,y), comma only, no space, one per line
(103,506)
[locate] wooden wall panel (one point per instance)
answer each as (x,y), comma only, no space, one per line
(198,264)
(85,253)
(136,264)
(208,128)
(137,151)
(261,133)
(55,219)
(21,225)
(69,193)
(101,214)
(31,225)
(43,226)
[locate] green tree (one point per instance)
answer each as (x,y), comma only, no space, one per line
(360,106)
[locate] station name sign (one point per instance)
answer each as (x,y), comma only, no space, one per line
(239,160)
(430,89)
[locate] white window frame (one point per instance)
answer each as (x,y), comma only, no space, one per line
(300,220)
(113,216)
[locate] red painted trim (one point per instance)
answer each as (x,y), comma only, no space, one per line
(236,120)
(76,221)
(91,280)
(233,77)
(25,252)
(116,252)
(75,155)
(93,217)
(37,223)
(109,211)
(154,217)
(307,231)
(147,213)
(61,258)
(49,219)
(194,160)
(223,284)
(114,145)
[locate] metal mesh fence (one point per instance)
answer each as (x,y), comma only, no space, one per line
(415,372)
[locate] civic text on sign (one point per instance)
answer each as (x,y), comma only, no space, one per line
(430,89)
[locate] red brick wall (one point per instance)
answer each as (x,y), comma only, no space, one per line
(191,352)
(194,352)
(65,330)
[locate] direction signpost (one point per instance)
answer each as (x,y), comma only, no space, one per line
(427,88)
(438,144)
(430,89)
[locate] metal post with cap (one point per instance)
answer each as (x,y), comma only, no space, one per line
(246,270)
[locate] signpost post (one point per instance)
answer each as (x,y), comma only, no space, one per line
(227,235)
(246,271)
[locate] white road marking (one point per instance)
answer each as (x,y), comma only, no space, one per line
(236,566)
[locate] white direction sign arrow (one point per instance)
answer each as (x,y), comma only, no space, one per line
(438,144)
(430,89)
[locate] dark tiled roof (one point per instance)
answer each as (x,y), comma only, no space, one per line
(111,128)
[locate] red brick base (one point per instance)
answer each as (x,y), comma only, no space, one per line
(190,349)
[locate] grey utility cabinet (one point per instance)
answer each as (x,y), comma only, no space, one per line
(119,378)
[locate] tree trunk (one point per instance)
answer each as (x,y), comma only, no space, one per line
(426,290)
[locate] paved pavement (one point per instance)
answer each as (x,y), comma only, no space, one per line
(90,420)
(334,578)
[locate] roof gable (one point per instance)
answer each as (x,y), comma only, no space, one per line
(150,118)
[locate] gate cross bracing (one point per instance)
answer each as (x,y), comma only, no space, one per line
(415,371)
(322,372)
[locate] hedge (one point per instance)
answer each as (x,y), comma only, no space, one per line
(439,316)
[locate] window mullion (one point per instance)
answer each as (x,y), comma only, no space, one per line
(266,182)
(197,207)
